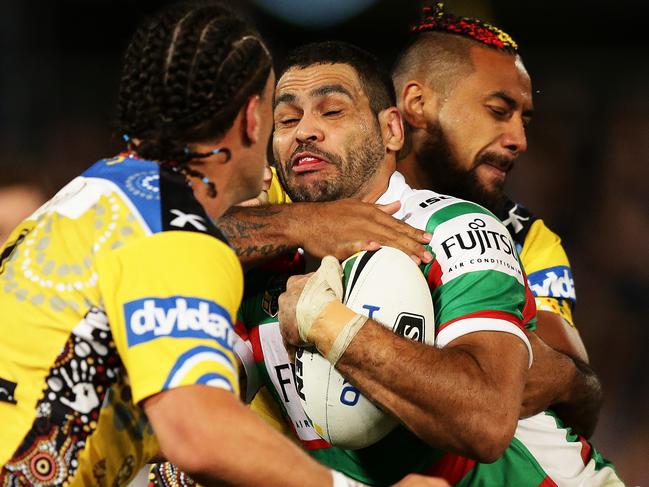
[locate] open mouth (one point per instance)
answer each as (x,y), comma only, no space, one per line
(306,162)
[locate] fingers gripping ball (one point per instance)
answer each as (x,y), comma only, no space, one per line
(389,287)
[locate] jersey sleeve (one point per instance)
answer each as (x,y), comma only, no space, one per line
(549,272)
(170,300)
(476,279)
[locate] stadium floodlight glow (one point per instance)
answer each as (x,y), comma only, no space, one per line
(314,13)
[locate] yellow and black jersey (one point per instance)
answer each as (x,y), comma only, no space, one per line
(116,289)
(544,259)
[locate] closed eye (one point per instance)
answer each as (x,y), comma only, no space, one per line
(499,112)
(288,121)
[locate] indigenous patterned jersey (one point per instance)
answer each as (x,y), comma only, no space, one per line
(544,260)
(473,260)
(118,288)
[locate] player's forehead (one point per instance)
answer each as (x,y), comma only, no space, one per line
(299,85)
(495,71)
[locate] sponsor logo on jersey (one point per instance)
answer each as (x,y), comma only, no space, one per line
(514,220)
(474,242)
(183,219)
(555,282)
(287,379)
(433,200)
(177,316)
(478,237)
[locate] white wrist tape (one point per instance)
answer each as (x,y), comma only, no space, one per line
(345,337)
(341,480)
(323,287)
(243,349)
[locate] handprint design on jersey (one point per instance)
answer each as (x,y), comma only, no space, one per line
(68,410)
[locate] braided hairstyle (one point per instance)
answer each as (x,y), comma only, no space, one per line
(436,19)
(438,51)
(187,73)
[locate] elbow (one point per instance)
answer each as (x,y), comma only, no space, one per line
(494,437)
(491,436)
(484,437)
(185,456)
(493,445)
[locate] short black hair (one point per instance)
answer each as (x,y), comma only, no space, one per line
(374,77)
(187,72)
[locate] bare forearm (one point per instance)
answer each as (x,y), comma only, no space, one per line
(264,457)
(217,440)
(261,233)
(561,378)
(580,410)
(443,396)
(339,228)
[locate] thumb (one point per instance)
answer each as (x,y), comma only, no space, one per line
(332,273)
(390,208)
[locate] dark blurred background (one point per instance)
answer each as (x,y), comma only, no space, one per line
(585,172)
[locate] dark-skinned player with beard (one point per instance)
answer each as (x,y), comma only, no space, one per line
(466,98)
(458,402)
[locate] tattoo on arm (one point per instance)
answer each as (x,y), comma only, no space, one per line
(262,251)
(241,223)
(233,228)
(252,233)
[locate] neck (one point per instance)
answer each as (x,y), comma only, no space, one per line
(379,183)
(415,175)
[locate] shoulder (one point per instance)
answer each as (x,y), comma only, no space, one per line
(159,198)
(538,245)
(428,210)
(518,220)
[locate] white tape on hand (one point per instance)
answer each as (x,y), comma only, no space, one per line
(323,287)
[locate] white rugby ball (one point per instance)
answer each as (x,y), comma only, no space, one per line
(389,287)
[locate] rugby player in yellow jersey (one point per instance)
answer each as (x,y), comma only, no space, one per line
(466,99)
(117,296)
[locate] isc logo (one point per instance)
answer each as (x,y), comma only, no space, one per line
(176,316)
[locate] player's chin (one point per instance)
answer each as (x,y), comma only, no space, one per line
(490,182)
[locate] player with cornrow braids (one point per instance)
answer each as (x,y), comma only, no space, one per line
(117,344)
(193,70)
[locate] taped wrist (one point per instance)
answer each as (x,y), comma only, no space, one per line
(334,329)
(323,287)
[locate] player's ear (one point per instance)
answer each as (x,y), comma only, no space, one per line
(392,131)
(252,119)
(414,99)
